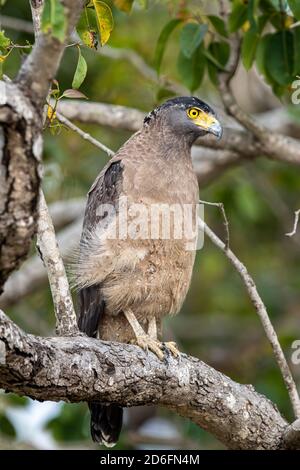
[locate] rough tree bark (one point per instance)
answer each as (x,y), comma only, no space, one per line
(21,107)
(82,369)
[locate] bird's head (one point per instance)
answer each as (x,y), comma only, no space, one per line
(187,117)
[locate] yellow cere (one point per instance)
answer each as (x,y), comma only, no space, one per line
(201,118)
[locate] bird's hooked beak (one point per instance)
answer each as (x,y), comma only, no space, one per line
(210,124)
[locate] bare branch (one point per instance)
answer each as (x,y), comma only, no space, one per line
(220,205)
(263,315)
(36,13)
(84,135)
(66,322)
(296,220)
(84,369)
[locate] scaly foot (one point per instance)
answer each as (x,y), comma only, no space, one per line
(147,343)
(172,347)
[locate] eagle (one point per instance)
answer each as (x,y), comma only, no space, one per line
(130,273)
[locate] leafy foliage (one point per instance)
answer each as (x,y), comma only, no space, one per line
(269,36)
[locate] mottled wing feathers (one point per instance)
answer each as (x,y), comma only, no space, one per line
(105,190)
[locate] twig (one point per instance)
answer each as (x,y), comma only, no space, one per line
(66,322)
(296,220)
(263,315)
(83,134)
(36,12)
(220,205)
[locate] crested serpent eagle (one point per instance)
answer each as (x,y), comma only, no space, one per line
(128,282)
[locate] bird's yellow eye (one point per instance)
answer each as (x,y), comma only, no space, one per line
(193,113)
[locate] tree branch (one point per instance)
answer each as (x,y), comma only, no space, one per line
(20,155)
(84,135)
(83,369)
(263,315)
(66,322)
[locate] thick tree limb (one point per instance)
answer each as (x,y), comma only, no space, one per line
(82,369)
(21,143)
(20,154)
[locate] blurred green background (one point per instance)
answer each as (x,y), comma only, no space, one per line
(217,322)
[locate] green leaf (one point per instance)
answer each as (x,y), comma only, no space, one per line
(261,55)
(105,20)
(238,16)
(124,5)
(80,72)
(219,25)
(191,37)
(54,19)
(162,42)
(192,70)
(280,54)
(249,46)
(217,55)
(252,12)
(4,41)
(295,7)
(87,28)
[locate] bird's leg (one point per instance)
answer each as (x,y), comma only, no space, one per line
(152,328)
(142,339)
(152,332)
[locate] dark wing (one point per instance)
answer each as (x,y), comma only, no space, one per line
(106,190)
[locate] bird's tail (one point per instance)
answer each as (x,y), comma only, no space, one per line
(106,423)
